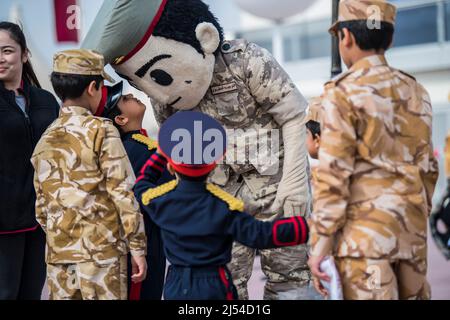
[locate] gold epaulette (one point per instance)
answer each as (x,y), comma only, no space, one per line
(233,203)
(153,193)
(149,142)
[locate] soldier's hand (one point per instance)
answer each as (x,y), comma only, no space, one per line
(319,287)
(314,266)
(138,269)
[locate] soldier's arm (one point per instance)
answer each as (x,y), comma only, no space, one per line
(271,86)
(150,173)
(336,164)
(120,178)
(40,208)
(431,175)
(254,233)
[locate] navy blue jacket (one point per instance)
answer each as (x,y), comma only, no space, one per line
(139,152)
(198,227)
(19,135)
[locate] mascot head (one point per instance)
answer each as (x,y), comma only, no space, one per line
(165,48)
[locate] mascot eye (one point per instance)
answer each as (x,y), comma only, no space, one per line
(161,77)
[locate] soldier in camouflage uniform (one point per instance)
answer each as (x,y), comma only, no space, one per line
(188,66)
(377,171)
(83,181)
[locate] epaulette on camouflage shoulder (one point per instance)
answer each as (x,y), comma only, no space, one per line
(406,74)
(154,193)
(233,203)
(230,46)
(334,82)
(149,142)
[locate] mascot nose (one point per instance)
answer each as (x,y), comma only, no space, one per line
(188,81)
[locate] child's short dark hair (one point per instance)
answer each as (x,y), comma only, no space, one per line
(369,39)
(112,116)
(313,127)
(72,86)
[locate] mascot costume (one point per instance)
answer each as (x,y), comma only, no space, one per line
(174,51)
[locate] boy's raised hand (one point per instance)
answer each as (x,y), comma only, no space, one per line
(138,269)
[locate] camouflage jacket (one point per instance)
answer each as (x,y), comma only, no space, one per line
(83,181)
(377,171)
(252,97)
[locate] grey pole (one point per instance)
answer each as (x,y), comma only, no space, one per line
(336,67)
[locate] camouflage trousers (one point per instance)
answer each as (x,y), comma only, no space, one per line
(378,279)
(286,269)
(88,281)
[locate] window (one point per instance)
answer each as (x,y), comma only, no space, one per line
(307,40)
(262,38)
(416,26)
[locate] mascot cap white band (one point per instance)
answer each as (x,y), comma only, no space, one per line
(121,25)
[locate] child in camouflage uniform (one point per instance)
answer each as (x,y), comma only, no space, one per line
(83,181)
(313,128)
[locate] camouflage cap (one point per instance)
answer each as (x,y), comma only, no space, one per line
(81,62)
(370,10)
(314,109)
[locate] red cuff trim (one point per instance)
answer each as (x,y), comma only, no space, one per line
(303,229)
(275,231)
(148,33)
(225,282)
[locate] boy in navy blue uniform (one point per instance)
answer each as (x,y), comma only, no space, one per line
(198,220)
(127,114)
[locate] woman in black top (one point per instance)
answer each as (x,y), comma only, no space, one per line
(25,112)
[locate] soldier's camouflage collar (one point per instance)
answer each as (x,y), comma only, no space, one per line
(75,111)
(369,62)
(365,63)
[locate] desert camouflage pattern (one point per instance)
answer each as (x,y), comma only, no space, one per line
(383,279)
(81,62)
(83,181)
(252,93)
(88,280)
(314,110)
(377,171)
(370,10)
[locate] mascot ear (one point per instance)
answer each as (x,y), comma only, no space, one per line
(208,36)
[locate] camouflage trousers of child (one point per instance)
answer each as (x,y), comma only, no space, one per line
(88,280)
(379,279)
(286,269)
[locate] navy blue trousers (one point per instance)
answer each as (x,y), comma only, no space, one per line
(152,287)
(206,283)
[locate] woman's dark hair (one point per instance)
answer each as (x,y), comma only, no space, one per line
(314,127)
(16,33)
(72,86)
(366,38)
